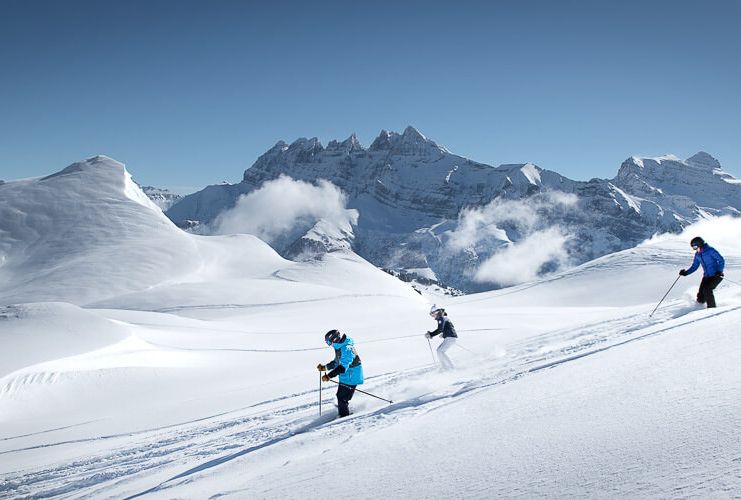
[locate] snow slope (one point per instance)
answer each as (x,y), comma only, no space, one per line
(201,380)
(85,233)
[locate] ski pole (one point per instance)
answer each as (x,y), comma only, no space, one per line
(662,298)
(431,353)
(467,350)
(368,393)
(729,281)
(320,394)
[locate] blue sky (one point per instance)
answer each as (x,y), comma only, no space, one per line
(191,93)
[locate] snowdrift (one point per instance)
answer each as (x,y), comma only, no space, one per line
(34,333)
(85,233)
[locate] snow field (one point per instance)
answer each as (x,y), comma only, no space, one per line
(190,370)
(283,426)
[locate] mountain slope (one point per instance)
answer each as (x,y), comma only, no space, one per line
(598,425)
(57,232)
(555,392)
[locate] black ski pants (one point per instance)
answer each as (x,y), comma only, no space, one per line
(705,293)
(344,395)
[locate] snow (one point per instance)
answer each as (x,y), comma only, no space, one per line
(134,192)
(424,272)
(531,173)
(63,329)
(84,234)
(186,368)
(632,201)
(669,158)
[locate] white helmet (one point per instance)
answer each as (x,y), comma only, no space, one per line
(434,309)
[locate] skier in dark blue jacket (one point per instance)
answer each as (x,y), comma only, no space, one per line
(712,265)
(346,364)
(446,328)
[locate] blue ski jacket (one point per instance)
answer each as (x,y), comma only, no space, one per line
(444,326)
(346,363)
(712,262)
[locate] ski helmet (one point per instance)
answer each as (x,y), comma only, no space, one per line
(697,242)
(333,337)
(434,309)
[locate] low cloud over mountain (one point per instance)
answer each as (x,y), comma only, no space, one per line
(473,226)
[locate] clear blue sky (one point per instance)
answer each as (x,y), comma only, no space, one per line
(190,93)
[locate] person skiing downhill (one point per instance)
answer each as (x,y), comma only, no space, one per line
(446,328)
(712,264)
(347,365)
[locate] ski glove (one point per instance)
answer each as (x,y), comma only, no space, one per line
(683,272)
(719,274)
(325,377)
(321,367)
(427,335)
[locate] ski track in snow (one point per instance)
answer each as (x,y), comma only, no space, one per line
(170,455)
(200,307)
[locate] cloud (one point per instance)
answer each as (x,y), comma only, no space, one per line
(526,259)
(719,232)
(522,217)
(284,208)
(475,225)
(530,242)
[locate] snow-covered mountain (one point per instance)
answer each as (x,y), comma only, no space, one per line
(423,209)
(88,234)
(161,197)
(58,231)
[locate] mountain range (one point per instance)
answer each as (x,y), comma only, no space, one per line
(427,212)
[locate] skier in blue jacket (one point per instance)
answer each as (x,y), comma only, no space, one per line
(712,265)
(446,328)
(346,364)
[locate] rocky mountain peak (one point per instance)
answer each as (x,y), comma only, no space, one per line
(304,144)
(279,146)
(410,142)
(382,142)
(411,134)
(704,161)
(348,145)
(302,150)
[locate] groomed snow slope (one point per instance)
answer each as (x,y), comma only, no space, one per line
(564,387)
